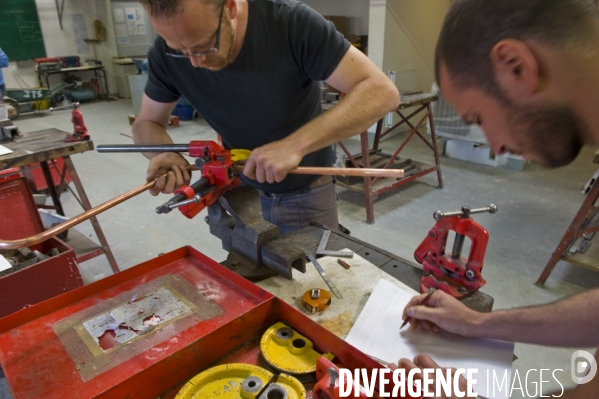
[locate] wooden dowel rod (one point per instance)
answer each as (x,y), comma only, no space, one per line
(315,170)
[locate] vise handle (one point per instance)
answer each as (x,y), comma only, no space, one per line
(465,212)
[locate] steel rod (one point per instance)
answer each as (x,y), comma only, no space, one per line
(143,148)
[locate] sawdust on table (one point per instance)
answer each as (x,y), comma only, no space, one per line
(339,325)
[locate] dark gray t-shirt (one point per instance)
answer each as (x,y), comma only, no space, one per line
(269,91)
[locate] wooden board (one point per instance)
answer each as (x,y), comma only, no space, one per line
(39,146)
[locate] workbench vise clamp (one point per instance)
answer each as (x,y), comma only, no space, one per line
(452,273)
(79,129)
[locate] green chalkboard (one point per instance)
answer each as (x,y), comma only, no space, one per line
(20,31)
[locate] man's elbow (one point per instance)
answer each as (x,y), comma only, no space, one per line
(391,95)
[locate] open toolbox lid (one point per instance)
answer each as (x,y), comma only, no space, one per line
(180,314)
(19,217)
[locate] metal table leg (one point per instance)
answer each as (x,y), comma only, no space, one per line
(86,205)
(434,140)
(52,188)
(367,180)
(573,231)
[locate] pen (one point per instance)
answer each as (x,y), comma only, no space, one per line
(382,362)
(424,303)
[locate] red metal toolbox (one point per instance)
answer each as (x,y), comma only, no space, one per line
(19,218)
(55,349)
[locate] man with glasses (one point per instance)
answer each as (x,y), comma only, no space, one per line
(252,68)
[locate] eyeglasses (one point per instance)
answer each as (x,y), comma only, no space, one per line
(179,54)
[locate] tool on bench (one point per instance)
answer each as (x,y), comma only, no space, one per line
(79,129)
(8,131)
(323,244)
(452,273)
(316,300)
(343,263)
(324,276)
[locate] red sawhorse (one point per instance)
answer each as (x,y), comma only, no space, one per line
(369,158)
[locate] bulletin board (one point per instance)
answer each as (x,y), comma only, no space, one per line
(132,28)
(20,32)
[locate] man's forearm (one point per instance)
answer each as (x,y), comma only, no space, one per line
(149,132)
(571,322)
(364,105)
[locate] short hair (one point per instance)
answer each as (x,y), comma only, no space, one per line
(473,27)
(168,8)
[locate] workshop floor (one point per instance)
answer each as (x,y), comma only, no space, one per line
(535,208)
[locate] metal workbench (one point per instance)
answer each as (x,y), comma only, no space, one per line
(43,146)
(408,272)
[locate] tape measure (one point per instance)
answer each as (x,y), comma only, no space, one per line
(316,300)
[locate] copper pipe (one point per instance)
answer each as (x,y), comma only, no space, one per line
(364,172)
(306,170)
(43,236)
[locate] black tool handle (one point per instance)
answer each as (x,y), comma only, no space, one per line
(197,187)
(465,212)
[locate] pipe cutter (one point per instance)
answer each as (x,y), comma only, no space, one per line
(219,176)
(452,273)
(219,173)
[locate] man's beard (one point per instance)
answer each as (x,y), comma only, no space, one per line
(552,135)
(217,63)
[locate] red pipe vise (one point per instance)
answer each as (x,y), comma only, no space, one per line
(452,273)
(79,129)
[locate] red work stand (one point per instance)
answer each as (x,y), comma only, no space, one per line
(585,223)
(43,146)
(372,187)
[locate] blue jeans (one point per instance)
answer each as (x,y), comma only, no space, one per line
(294,211)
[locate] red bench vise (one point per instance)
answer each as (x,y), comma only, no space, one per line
(79,129)
(452,273)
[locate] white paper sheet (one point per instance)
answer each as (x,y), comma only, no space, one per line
(376,333)
(4,265)
(4,150)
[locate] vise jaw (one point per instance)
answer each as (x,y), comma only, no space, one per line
(256,250)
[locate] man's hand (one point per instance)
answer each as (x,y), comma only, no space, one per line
(443,312)
(175,168)
(271,162)
(423,361)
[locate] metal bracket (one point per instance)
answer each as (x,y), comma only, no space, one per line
(323,244)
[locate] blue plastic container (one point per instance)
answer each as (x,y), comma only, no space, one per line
(183,110)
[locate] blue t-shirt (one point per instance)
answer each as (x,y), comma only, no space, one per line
(269,91)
